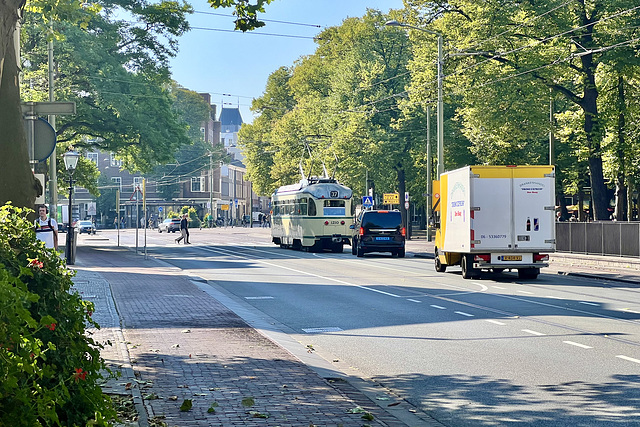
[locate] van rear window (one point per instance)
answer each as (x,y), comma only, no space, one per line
(373,220)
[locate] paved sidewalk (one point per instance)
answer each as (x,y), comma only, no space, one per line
(173,342)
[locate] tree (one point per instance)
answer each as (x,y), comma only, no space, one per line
(246,12)
(525,45)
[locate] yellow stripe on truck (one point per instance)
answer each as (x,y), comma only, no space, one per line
(538,171)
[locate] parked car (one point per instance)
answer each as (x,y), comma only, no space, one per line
(85,227)
(169,225)
(378,231)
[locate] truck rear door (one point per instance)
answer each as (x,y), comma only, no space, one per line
(534,203)
(492,213)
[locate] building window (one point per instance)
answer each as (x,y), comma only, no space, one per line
(117,181)
(137,182)
(93,157)
(197,184)
(114,161)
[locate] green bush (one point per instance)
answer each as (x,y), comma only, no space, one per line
(49,366)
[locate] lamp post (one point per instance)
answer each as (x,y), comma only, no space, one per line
(70,163)
(440,111)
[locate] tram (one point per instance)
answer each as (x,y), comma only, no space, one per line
(312,215)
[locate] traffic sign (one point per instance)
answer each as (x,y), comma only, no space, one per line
(406,205)
(406,196)
(391,198)
(159,208)
(367,201)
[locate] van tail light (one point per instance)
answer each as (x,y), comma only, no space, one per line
(341,222)
(362,231)
(403,231)
(540,257)
(326,223)
(482,257)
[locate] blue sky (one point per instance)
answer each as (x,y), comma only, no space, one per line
(239,64)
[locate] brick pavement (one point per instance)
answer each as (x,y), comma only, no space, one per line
(184,344)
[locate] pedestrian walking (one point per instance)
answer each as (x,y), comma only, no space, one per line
(46,228)
(184,230)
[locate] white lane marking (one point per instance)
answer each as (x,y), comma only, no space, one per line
(311,274)
(464,314)
(529,331)
(495,322)
(439,307)
(526,292)
(413,300)
(576,344)
(552,297)
(483,288)
(627,310)
(322,330)
(630,359)
(589,303)
(265,297)
(498,287)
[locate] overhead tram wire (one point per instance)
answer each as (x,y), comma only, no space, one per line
(265,20)
(255,33)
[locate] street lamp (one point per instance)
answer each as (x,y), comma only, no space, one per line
(440,112)
(70,163)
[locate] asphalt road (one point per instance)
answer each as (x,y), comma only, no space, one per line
(557,351)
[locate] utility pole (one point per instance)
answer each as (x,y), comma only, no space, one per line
(53,175)
(210,189)
(429,184)
(552,139)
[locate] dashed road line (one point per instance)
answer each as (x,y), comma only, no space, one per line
(439,307)
(577,344)
(498,287)
(526,292)
(529,331)
(589,303)
(552,297)
(495,322)
(630,359)
(462,313)
(413,300)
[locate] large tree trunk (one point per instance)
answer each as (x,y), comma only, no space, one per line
(621,191)
(18,184)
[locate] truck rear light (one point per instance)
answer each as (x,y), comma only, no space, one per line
(362,231)
(540,257)
(403,231)
(485,258)
(326,223)
(341,222)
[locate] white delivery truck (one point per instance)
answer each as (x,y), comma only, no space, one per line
(495,217)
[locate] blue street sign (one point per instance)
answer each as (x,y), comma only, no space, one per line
(235,202)
(159,208)
(367,201)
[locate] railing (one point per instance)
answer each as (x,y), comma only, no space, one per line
(600,238)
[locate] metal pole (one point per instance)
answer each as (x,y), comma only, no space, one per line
(429,184)
(69,227)
(118,213)
(440,122)
(552,139)
(144,209)
(137,217)
(210,189)
(53,174)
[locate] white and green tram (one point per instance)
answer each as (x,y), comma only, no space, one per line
(312,215)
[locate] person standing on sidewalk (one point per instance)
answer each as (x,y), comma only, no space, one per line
(184,230)
(46,228)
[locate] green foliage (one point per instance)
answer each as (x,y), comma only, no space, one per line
(194,221)
(247,13)
(49,366)
(117,73)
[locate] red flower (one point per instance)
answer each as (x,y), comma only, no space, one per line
(35,263)
(79,375)
(51,326)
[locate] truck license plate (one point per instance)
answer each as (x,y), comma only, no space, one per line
(383,238)
(512,258)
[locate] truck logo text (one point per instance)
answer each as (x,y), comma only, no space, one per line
(532,187)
